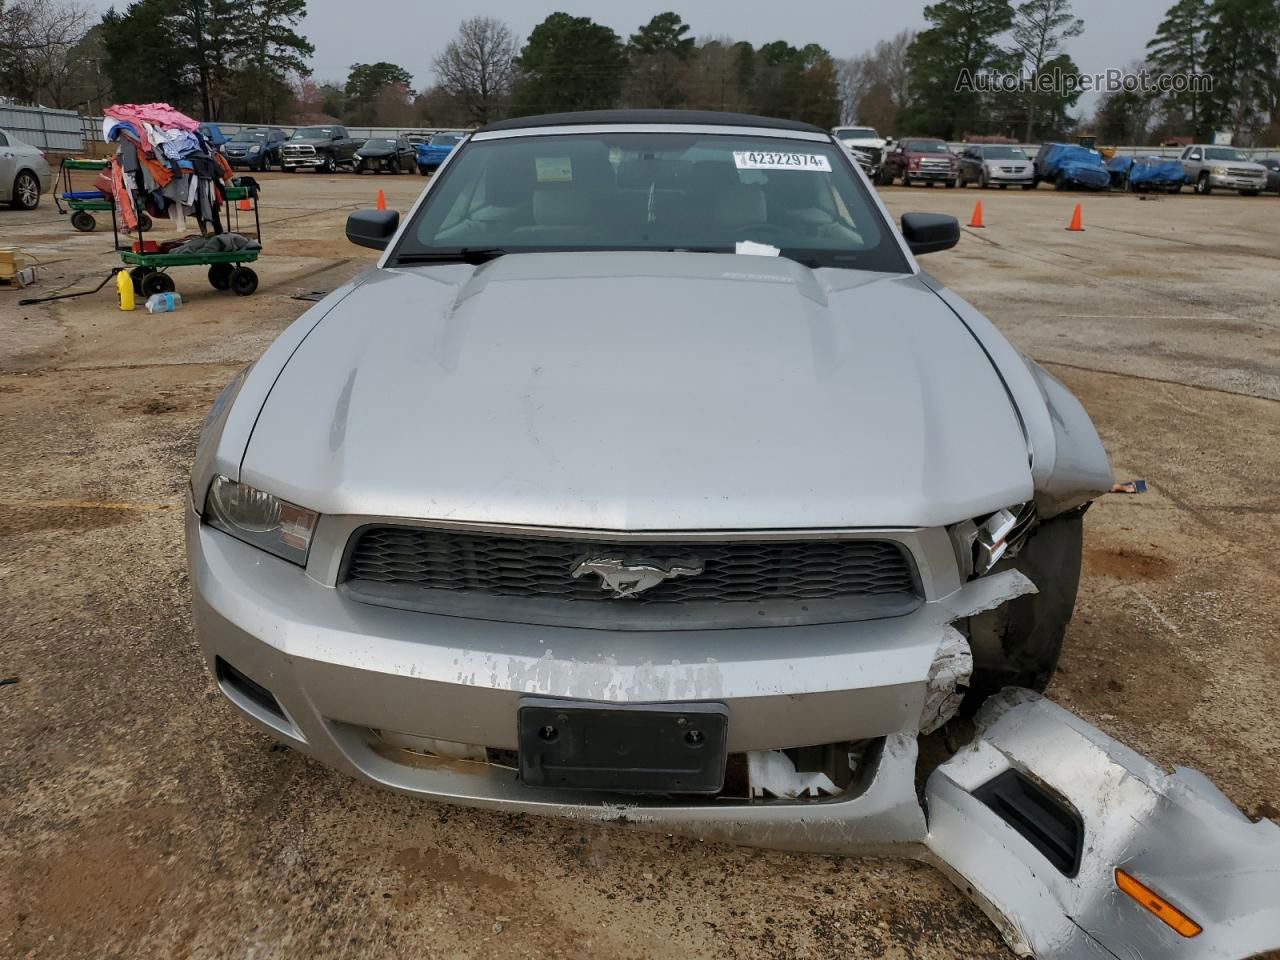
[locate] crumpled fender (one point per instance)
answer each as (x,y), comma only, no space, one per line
(1069,466)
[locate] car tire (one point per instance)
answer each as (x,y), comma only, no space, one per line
(1203,186)
(906,179)
(983,182)
(157,282)
(394,166)
(1029,186)
(1019,643)
(951,184)
(328,165)
(1003,186)
(243,281)
(1175,189)
(26,191)
(288,169)
(1249,193)
(358,168)
(422,171)
(83,221)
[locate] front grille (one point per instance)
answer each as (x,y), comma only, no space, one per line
(734,571)
(935,164)
(300,150)
(1243,172)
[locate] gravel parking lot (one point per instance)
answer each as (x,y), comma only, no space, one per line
(143,818)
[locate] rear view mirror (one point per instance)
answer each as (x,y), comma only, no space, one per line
(374,228)
(924,232)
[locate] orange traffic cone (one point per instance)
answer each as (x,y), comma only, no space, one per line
(382,200)
(976,219)
(245,204)
(1075,220)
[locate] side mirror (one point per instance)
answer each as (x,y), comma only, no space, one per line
(375,228)
(924,232)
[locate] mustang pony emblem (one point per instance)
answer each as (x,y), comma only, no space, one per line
(628,578)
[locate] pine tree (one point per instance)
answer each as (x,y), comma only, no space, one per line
(961,43)
(1178,48)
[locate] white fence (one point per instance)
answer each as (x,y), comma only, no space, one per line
(43,127)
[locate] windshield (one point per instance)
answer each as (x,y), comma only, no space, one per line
(653,191)
(445,139)
(246,137)
(857,133)
(380,144)
(925,146)
(1223,153)
(1003,153)
(313,133)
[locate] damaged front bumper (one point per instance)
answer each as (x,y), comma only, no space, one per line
(1032,819)
(1041,855)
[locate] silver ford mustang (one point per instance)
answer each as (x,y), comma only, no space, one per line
(646,472)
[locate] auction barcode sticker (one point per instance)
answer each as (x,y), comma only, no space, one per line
(760,160)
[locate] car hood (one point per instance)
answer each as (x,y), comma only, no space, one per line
(642,391)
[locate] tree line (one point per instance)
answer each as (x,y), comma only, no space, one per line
(247,60)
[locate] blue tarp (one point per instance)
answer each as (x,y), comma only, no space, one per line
(1156,170)
(1072,163)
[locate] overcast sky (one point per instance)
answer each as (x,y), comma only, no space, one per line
(411,32)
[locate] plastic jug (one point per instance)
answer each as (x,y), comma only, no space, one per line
(163,302)
(124,287)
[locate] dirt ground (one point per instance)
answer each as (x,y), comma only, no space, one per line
(142,818)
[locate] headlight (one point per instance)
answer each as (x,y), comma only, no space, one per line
(255,148)
(983,542)
(1218,171)
(259,519)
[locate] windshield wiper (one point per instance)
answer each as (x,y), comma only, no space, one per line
(474,255)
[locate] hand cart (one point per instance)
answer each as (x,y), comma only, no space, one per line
(227,270)
(82,204)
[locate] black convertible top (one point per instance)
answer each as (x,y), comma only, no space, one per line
(701,117)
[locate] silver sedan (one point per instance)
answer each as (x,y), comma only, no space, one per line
(645,472)
(25,174)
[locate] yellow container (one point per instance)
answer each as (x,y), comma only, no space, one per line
(124,286)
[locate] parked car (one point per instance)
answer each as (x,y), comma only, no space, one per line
(926,161)
(257,148)
(434,152)
(1069,166)
(1273,174)
(866,145)
(996,165)
(532,540)
(322,148)
(25,174)
(1145,174)
(1208,167)
(381,154)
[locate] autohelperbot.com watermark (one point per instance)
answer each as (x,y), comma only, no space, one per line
(1065,83)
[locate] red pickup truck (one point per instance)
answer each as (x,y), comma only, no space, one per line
(919,161)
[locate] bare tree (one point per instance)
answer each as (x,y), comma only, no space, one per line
(876,82)
(476,67)
(37,40)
